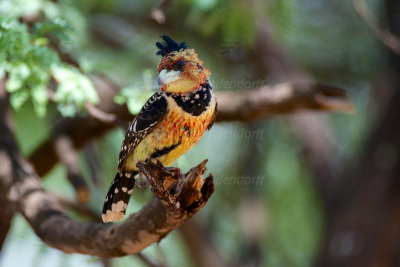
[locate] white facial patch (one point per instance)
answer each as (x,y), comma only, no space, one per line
(170,76)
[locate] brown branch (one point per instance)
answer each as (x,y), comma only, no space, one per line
(149,225)
(6,214)
(81,130)
(179,197)
(8,208)
(232,106)
(94,216)
(280,99)
(147,261)
(246,105)
(104,117)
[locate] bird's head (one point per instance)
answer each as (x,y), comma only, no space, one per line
(180,69)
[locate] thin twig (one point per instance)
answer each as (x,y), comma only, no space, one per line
(387,38)
(104,116)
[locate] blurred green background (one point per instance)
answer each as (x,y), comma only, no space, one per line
(259,167)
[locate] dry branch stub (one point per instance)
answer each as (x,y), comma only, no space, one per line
(184,194)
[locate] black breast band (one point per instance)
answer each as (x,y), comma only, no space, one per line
(195,102)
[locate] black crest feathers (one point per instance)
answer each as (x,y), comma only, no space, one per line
(169,45)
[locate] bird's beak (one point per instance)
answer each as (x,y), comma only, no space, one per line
(166,76)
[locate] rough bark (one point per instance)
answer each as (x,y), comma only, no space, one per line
(8,208)
(178,197)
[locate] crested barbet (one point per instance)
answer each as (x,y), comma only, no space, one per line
(170,123)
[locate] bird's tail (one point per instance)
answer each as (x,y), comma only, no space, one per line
(118,196)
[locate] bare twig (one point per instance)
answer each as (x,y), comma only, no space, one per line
(388,39)
(104,116)
(147,261)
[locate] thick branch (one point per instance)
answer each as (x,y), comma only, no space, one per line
(186,194)
(232,106)
(280,99)
(149,225)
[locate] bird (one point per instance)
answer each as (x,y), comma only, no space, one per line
(169,124)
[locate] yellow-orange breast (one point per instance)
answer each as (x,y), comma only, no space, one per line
(178,127)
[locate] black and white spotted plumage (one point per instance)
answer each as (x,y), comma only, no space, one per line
(120,191)
(148,118)
(118,196)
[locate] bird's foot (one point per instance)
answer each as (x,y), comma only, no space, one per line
(181,192)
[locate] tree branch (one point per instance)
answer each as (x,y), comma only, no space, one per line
(94,216)
(278,99)
(177,201)
(245,105)
(8,208)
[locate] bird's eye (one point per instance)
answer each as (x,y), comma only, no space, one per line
(179,65)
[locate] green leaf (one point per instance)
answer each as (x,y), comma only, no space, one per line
(57,27)
(18,98)
(67,110)
(39,99)
(17,76)
(134,98)
(74,89)
(26,63)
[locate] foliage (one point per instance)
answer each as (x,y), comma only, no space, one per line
(29,63)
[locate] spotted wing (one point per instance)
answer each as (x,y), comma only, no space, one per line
(151,114)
